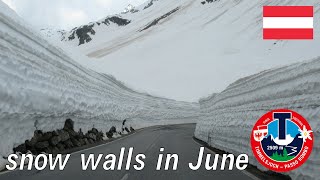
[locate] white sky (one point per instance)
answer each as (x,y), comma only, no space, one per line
(66,14)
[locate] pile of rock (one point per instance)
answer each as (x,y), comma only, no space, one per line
(57,141)
(111,132)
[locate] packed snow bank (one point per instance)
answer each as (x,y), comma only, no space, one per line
(41,86)
(3,163)
(228,117)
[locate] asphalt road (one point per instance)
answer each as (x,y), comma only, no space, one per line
(175,139)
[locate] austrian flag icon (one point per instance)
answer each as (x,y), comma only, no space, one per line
(288,22)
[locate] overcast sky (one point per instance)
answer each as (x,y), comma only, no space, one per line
(66,14)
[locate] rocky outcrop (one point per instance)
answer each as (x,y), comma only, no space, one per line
(84,33)
(208,1)
(117,20)
(156,21)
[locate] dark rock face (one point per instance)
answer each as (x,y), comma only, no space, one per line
(117,20)
(127,130)
(85,32)
(72,36)
(131,129)
(208,1)
(156,21)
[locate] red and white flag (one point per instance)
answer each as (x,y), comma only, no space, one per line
(288,22)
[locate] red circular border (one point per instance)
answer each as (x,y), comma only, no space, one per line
(308,143)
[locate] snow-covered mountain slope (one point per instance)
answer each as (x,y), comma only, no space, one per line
(85,33)
(229,116)
(41,86)
(53,33)
(221,40)
(130,9)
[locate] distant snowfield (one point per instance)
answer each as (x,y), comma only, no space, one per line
(197,50)
(41,86)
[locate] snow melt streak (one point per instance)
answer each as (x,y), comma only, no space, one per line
(41,86)
(228,117)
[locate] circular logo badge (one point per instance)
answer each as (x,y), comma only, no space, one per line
(281,140)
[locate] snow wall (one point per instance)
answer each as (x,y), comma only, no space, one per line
(41,86)
(229,116)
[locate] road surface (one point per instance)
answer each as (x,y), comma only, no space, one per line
(175,139)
